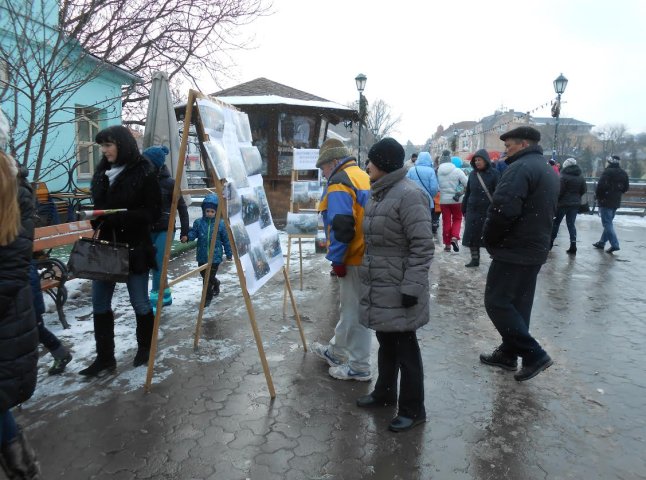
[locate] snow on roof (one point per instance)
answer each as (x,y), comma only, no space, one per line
(278,100)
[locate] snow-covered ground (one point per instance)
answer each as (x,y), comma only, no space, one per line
(56,390)
(186,297)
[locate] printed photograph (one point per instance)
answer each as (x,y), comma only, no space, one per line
(300,192)
(250,208)
(259,261)
(237,169)
(218,157)
(212,116)
(302,223)
(265,214)
(271,246)
(243,130)
(234,204)
(251,159)
(241,238)
(314,190)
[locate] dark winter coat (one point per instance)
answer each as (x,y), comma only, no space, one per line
(476,202)
(398,254)
(137,189)
(612,184)
(18,333)
(573,187)
(202,231)
(167,185)
(518,227)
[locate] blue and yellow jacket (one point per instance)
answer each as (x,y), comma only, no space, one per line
(342,207)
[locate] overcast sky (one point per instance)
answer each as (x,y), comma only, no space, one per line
(443,62)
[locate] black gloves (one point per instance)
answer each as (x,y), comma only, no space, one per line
(408,301)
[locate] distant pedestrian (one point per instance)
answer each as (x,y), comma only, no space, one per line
(157,156)
(411,161)
(203,230)
(517,236)
(612,184)
(572,188)
(342,208)
(395,285)
(423,174)
(481,184)
(452,181)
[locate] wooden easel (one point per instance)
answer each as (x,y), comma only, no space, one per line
(294,207)
(220,214)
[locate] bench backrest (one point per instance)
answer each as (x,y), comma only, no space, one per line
(61,234)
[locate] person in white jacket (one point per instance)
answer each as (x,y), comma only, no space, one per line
(452,181)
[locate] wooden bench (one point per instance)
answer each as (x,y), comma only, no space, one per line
(53,272)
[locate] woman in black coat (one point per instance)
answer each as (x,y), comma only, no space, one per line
(124,180)
(573,187)
(18,333)
(476,202)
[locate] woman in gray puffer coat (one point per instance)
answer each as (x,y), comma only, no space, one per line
(395,286)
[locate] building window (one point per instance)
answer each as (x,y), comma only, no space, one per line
(88,153)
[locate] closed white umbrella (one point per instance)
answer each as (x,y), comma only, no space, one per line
(162,127)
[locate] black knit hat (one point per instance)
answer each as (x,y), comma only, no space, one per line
(387,155)
(522,133)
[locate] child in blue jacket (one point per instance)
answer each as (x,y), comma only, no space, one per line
(203,230)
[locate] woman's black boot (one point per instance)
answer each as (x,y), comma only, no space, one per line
(104,337)
(145,325)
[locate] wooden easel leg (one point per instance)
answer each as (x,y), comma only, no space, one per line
(298,318)
(289,254)
(261,349)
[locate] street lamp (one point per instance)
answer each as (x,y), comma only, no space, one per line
(559,87)
(361,85)
(455,140)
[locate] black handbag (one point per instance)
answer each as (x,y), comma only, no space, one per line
(96,259)
(584,207)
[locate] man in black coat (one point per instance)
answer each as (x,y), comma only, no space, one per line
(612,184)
(517,235)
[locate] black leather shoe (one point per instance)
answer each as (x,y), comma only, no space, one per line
(534,368)
(370,401)
(99,366)
(499,359)
(598,245)
(401,424)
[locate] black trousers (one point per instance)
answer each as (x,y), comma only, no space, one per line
(509,296)
(399,354)
(212,275)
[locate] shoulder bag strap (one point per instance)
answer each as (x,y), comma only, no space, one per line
(484,187)
(420,181)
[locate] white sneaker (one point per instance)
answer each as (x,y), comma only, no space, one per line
(322,351)
(344,372)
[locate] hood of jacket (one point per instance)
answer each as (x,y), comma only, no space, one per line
(210,201)
(424,159)
(572,170)
(445,168)
(482,153)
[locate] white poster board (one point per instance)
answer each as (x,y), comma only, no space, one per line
(305,158)
(234,159)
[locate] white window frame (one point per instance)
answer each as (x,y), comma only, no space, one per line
(91,116)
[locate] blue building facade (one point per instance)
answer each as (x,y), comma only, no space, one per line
(56,95)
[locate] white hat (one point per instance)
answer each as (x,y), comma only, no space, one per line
(568,162)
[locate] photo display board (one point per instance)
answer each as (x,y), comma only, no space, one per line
(236,160)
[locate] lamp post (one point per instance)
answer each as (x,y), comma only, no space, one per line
(455,141)
(559,87)
(361,85)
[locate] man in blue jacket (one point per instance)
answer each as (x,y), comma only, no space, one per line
(517,234)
